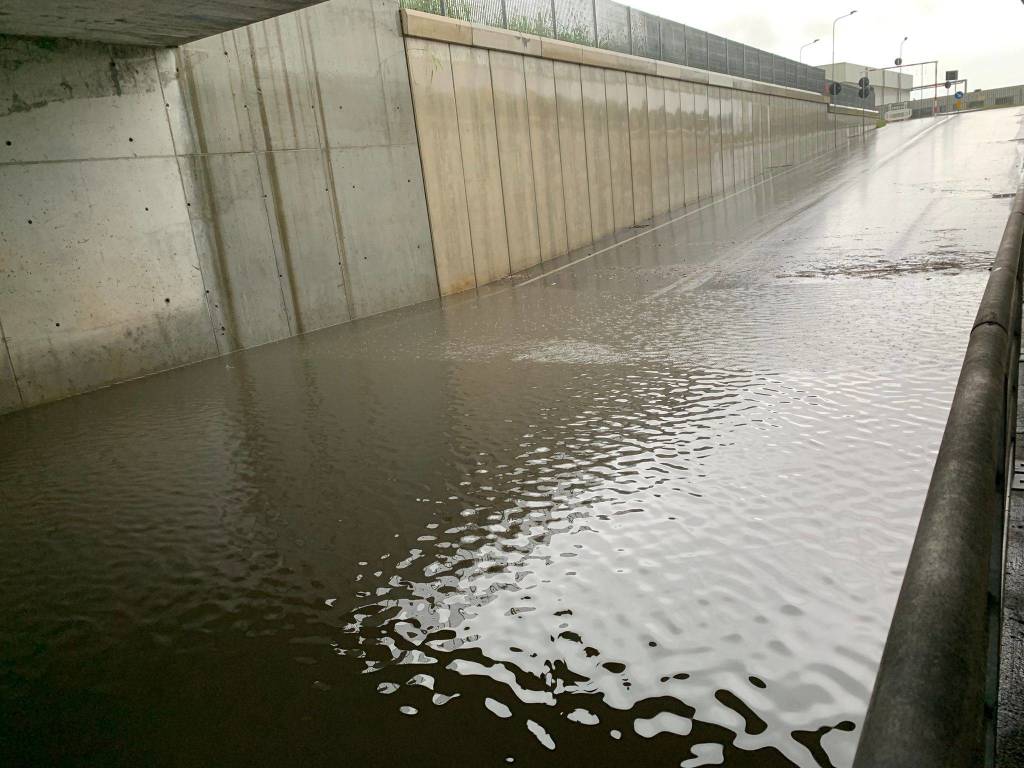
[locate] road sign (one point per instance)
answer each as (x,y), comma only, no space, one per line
(948,85)
(952,74)
(959,94)
(956,104)
(898,61)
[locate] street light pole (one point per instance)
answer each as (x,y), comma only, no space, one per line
(831,96)
(815,40)
(899,81)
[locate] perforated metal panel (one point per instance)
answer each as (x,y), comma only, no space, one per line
(673,42)
(617,27)
(613,26)
(718,56)
(817,80)
(734,58)
(574,21)
(696,48)
(646,34)
(766,66)
(530,16)
(751,63)
(778,70)
(427,6)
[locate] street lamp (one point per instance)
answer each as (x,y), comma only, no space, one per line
(899,82)
(816,40)
(832,96)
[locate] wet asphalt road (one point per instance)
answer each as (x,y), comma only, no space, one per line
(646,507)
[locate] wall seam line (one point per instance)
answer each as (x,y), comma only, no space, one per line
(607,141)
(10,361)
(497,148)
(561,162)
(586,155)
(184,200)
(462,160)
(533,168)
(629,145)
(274,244)
(316,94)
(423,171)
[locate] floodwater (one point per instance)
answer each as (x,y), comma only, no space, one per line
(650,509)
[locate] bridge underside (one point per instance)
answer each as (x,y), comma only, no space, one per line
(143,22)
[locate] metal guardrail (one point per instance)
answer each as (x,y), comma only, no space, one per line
(616,27)
(934,700)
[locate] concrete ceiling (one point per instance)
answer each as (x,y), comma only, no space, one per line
(136,22)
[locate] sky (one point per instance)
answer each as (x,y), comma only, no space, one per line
(983,40)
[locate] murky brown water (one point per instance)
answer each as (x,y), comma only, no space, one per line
(649,510)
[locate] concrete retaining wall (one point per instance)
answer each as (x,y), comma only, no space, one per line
(164,206)
(534,148)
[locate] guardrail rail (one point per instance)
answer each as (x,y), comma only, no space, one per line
(934,699)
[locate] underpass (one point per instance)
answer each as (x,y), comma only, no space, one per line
(651,502)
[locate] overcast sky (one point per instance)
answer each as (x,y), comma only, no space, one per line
(984,40)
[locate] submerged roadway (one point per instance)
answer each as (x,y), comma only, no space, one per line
(649,506)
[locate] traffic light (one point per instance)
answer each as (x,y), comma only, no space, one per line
(864,87)
(835,88)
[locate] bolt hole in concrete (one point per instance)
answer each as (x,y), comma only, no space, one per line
(9,143)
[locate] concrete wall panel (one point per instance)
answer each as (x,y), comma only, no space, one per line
(512,120)
(728,141)
(547,159)
(99,278)
(573,146)
(471,72)
(599,172)
(219,121)
(659,145)
(67,100)
(748,136)
(389,256)
(640,146)
(433,91)
(701,106)
(715,124)
(755,133)
(674,137)
(394,72)
(237,256)
(688,136)
(309,254)
(346,61)
(284,109)
(284,236)
(618,147)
